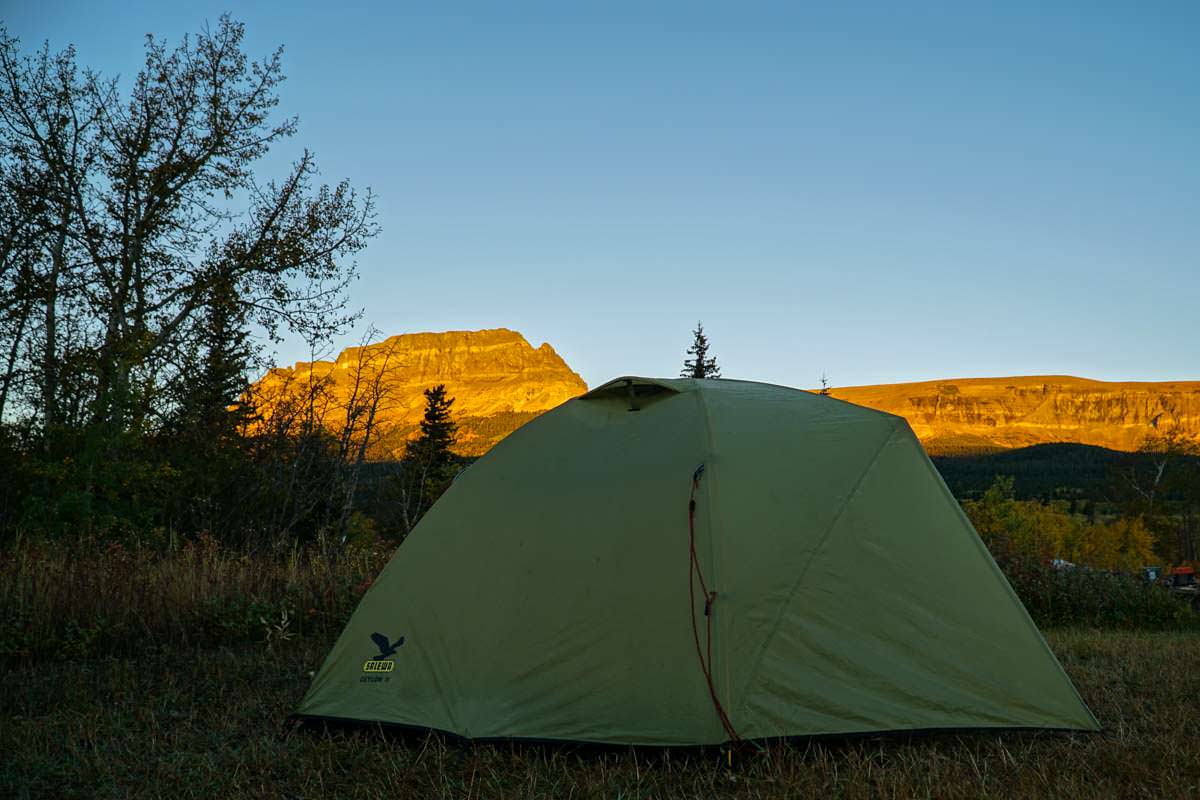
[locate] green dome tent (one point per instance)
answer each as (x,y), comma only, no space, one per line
(690,562)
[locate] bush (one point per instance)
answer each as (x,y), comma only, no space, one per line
(1096,589)
(1093,598)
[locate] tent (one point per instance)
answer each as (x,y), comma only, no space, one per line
(691,562)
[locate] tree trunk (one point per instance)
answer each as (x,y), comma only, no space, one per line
(50,352)
(10,366)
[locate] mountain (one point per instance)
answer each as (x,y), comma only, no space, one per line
(497,379)
(990,414)
(499,382)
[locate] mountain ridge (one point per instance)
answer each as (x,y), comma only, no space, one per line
(500,381)
(976,414)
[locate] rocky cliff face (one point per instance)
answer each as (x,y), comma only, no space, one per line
(973,414)
(498,382)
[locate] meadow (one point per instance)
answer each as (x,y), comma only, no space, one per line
(131,672)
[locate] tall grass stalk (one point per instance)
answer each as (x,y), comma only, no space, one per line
(85,599)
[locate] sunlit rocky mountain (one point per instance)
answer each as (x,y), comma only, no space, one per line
(497,379)
(982,414)
(500,381)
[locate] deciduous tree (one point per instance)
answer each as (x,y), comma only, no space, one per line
(146,261)
(129,213)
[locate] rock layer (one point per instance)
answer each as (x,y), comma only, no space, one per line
(972,414)
(497,379)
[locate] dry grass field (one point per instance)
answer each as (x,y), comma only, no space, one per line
(209,723)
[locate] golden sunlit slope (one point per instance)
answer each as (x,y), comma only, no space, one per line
(499,382)
(964,414)
(497,379)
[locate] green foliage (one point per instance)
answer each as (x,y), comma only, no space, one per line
(241,486)
(437,429)
(139,248)
(1046,531)
(1161,484)
(1102,586)
(429,464)
(1097,599)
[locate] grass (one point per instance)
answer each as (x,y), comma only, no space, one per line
(209,723)
(85,599)
(148,709)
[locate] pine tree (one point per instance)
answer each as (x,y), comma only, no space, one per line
(429,463)
(700,365)
(210,392)
(203,442)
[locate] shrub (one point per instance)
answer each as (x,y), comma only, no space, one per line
(1093,598)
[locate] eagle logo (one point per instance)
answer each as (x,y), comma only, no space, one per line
(387,648)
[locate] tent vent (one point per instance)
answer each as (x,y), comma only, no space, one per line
(636,392)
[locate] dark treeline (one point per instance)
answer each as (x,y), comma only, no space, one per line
(1057,471)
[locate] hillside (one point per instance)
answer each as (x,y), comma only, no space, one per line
(498,380)
(971,415)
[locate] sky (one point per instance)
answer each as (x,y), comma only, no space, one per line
(874,192)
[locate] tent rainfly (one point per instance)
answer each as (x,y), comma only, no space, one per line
(694,562)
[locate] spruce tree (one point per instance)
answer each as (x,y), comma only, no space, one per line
(438,431)
(210,388)
(699,365)
(203,443)
(429,463)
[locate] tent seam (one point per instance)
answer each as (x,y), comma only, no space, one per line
(807,565)
(710,451)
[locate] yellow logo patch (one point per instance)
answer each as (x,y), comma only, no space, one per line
(378,666)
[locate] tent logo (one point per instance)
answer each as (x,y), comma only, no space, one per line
(387,649)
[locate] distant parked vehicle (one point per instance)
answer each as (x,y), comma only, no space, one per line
(1182,581)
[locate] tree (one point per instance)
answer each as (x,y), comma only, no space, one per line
(699,365)
(369,394)
(1161,484)
(140,251)
(127,214)
(429,465)
(824,386)
(211,382)
(48,135)
(201,436)
(1031,529)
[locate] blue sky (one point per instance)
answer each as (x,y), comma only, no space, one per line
(876,192)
